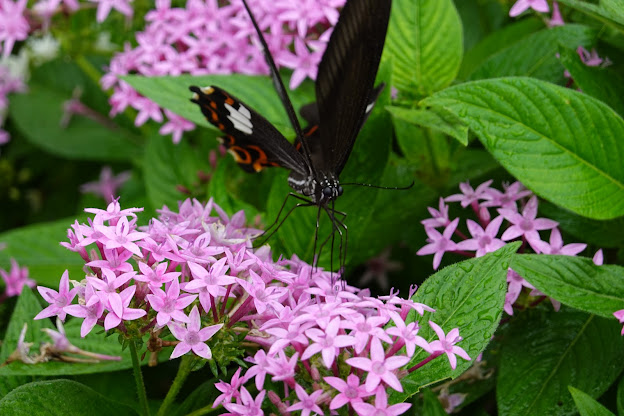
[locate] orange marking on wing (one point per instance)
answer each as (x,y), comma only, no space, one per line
(312,130)
(261,161)
(213,104)
(236,151)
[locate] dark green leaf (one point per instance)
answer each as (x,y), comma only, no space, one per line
(59,398)
(586,405)
(535,55)
(546,352)
(469,296)
(606,233)
(546,136)
(432,405)
(425,44)
(603,84)
(496,42)
(575,281)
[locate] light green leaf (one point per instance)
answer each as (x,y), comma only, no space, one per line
(607,12)
(38,113)
(575,281)
(425,43)
(37,247)
(469,296)
(586,405)
(546,352)
(535,55)
(564,145)
(438,120)
(255,91)
(59,398)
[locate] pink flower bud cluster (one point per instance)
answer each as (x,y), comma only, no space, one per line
(195,275)
(516,212)
(213,37)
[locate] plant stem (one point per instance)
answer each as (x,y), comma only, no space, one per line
(183,372)
(138,379)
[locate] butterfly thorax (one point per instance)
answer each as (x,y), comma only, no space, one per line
(320,190)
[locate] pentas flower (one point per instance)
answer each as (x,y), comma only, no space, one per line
(517,208)
(13,24)
(301,322)
(522,5)
(106,186)
(58,300)
(15,279)
(210,37)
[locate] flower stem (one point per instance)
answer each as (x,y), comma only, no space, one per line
(183,372)
(138,379)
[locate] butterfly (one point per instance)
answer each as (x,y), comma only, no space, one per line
(345,96)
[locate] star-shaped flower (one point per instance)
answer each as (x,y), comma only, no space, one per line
(192,337)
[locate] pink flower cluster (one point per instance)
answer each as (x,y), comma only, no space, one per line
(194,274)
(516,207)
(15,280)
(214,37)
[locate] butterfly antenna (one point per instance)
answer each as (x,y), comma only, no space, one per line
(279,86)
(393,188)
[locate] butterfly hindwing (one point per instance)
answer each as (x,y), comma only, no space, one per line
(253,141)
(346,76)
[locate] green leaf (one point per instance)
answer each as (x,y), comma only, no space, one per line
(167,166)
(603,84)
(613,9)
(546,352)
(575,281)
(496,42)
(469,296)
(563,145)
(59,397)
(438,120)
(255,91)
(38,113)
(425,44)
(607,12)
(535,55)
(586,405)
(37,247)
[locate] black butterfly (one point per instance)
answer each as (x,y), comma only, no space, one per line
(345,95)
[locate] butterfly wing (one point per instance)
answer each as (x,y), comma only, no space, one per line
(346,76)
(253,141)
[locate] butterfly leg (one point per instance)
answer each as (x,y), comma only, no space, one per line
(272,229)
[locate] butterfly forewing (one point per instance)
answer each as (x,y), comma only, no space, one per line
(346,75)
(253,141)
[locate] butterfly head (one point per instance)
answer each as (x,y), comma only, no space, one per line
(328,189)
